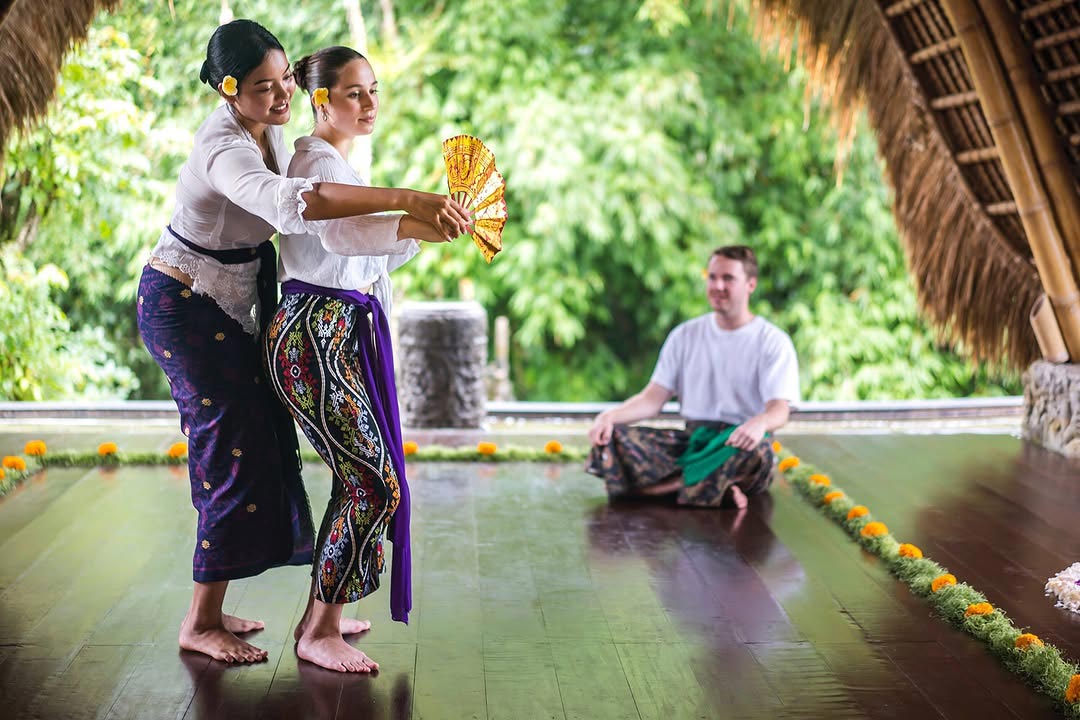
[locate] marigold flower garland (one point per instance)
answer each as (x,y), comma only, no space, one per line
(1026,654)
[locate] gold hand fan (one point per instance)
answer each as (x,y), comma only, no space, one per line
(477,185)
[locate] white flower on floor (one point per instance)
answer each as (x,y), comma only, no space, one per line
(1065,586)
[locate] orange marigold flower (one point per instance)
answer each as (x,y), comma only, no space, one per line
(1027,640)
(788,463)
(777,447)
(410,447)
(107,448)
(819,479)
(14,462)
(1072,694)
(35,448)
(941,581)
(978,609)
(553,446)
(834,495)
(910,551)
(486,448)
(857,511)
(874,529)
(177,450)
(1,474)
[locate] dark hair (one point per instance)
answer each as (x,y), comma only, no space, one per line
(741,253)
(321,69)
(236,49)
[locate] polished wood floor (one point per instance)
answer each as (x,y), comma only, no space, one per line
(536,599)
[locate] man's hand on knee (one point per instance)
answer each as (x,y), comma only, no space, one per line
(600,432)
(748,435)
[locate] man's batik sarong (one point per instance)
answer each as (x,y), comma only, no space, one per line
(314,347)
(252,516)
(638,458)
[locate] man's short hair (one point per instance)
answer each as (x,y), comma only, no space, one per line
(741,253)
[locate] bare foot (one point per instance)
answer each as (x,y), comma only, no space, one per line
(348,626)
(333,653)
(220,644)
(736,497)
(238,625)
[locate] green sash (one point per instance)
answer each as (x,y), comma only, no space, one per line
(706,452)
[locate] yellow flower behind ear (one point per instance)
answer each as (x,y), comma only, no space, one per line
(228,85)
(107,448)
(320,97)
(35,448)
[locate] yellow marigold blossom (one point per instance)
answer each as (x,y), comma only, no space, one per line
(819,479)
(35,448)
(941,581)
(874,529)
(178,449)
(857,511)
(978,609)
(107,448)
(2,473)
(777,447)
(1027,640)
(320,97)
(834,495)
(789,463)
(910,551)
(14,462)
(553,446)
(410,447)
(1072,694)
(228,85)
(486,448)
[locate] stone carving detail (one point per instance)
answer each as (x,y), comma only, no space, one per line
(1052,407)
(442,356)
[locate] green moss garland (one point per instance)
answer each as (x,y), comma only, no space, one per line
(1041,665)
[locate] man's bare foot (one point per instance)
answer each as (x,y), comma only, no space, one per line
(238,625)
(333,653)
(348,626)
(220,644)
(735,497)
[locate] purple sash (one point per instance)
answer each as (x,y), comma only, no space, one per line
(383,392)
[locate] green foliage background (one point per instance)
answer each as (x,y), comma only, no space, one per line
(634,138)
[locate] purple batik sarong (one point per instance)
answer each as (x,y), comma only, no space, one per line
(252,508)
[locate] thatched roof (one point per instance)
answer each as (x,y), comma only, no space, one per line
(35,35)
(958,217)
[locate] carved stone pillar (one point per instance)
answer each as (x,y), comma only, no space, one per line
(443,353)
(1052,407)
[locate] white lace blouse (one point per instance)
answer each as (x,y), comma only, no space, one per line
(226,198)
(352,253)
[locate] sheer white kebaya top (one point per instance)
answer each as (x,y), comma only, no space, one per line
(226,198)
(353,253)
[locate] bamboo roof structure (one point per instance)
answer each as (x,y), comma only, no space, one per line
(35,35)
(976,106)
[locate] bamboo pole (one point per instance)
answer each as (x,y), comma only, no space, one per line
(1049,152)
(1021,167)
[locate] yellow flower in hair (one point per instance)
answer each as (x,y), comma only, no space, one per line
(320,97)
(228,85)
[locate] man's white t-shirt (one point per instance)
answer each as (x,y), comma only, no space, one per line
(727,375)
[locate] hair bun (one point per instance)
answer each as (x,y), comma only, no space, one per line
(300,70)
(204,73)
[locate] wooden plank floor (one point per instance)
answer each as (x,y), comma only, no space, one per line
(536,599)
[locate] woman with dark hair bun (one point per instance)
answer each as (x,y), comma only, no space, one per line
(205,295)
(331,362)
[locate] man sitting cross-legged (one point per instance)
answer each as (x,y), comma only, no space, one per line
(734,374)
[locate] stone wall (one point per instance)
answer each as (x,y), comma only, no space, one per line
(1052,407)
